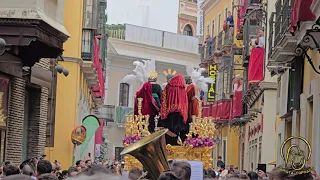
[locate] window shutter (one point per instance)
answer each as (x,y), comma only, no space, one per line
(284,94)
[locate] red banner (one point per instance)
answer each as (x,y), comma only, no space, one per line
(256,65)
(237,104)
(213,112)
(301,12)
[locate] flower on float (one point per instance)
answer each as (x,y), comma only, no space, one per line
(199,142)
(131,139)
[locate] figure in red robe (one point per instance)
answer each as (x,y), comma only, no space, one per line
(174,109)
(193,102)
(150,105)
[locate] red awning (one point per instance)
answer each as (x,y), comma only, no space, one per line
(205,110)
(256,65)
(301,12)
(213,110)
(237,104)
(223,110)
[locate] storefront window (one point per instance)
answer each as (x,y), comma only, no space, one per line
(4,95)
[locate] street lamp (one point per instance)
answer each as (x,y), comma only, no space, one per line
(2,44)
(310,41)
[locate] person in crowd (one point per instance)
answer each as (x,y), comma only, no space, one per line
(260,42)
(44,167)
(223,172)
(236,170)
(95,169)
(230,21)
(279,174)
(168,176)
(182,170)
(63,174)
(220,162)
(47,176)
(73,171)
(58,166)
(88,162)
(135,173)
(10,169)
(27,170)
(98,177)
(211,173)
(238,177)
(80,164)
(17,177)
(253,175)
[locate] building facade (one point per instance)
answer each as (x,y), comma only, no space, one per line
(223,63)
(33,35)
(187,18)
(295,60)
(257,142)
(81,93)
(126,44)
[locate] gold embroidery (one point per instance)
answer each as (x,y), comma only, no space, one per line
(173,107)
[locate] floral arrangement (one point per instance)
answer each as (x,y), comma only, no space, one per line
(199,142)
(131,139)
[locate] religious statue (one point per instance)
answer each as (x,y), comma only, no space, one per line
(174,109)
(150,91)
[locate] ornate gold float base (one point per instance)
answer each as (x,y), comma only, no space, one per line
(191,154)
(177,153)
(131,162)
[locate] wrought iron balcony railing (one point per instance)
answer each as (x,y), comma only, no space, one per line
(286,16)
(211,47)
(228,36)
(271,34)
(220,39)
(278,22)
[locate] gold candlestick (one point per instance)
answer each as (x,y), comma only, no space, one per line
(156,120)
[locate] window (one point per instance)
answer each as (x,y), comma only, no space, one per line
(226,12)
(208,29)
(212,30)
(51,109)
(187,30)
(219,23)
(224,150)
(124,95)
(87,41)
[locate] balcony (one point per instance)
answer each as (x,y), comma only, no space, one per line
(220,39)
(210,47)
(228,36)
(153,37)
(116,31)
(117,114)
(284,43)
(271,34)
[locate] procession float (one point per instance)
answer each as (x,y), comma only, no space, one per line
(196,143)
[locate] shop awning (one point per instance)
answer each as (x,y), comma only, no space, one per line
(301,12)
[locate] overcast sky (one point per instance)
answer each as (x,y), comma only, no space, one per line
(156,14)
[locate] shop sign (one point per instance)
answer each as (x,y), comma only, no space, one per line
(212,86)
(78,135)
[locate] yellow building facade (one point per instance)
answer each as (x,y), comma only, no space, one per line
(69,88)
(215,13)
